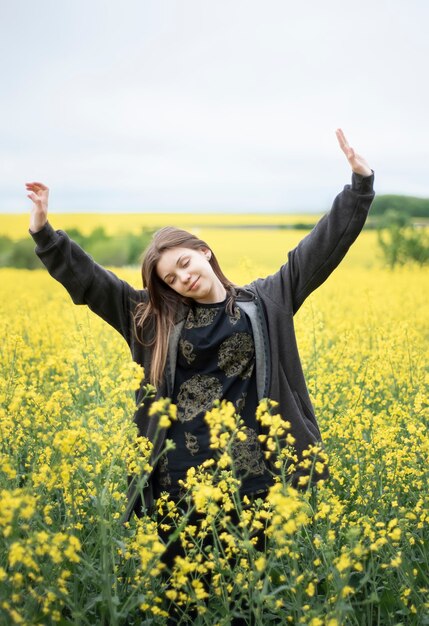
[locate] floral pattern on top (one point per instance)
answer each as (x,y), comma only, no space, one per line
(197,395)
(235,355)
(199,317)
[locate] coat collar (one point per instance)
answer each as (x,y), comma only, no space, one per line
(243,295)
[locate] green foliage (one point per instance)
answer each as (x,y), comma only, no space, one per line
(119,250)
(19,254)
(409,205)
(401,241)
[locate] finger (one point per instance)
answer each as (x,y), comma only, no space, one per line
(342,139)
(35,198)
(37,186)
(341,135)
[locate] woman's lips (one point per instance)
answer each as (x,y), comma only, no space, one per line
(194,284)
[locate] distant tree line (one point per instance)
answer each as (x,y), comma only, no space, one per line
(394,217)
(408,205)
(114,250)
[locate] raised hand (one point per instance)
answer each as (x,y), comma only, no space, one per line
(39,194)
(357,163)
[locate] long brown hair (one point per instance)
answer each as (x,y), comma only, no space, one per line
(163,302)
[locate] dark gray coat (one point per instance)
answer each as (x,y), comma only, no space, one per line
(270,302)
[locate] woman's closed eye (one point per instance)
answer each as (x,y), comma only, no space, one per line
(172,279)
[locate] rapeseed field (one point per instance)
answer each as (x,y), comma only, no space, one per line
(15,225)
(353,552)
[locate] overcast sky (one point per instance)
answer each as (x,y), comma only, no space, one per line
(146,105)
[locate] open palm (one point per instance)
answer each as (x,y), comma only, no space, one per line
(357,162)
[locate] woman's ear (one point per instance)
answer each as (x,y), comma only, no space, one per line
(206,252)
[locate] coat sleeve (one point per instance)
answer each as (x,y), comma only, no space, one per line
(321,251)
(87,282)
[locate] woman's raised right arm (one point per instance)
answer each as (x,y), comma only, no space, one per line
(87,282)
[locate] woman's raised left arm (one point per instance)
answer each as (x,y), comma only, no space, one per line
(320,252)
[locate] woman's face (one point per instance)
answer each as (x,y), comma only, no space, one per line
(189,273)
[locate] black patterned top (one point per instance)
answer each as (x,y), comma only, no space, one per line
(216,360)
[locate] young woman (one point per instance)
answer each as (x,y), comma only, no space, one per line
(201,338)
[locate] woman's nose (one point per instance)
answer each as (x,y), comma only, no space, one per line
(185,276)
